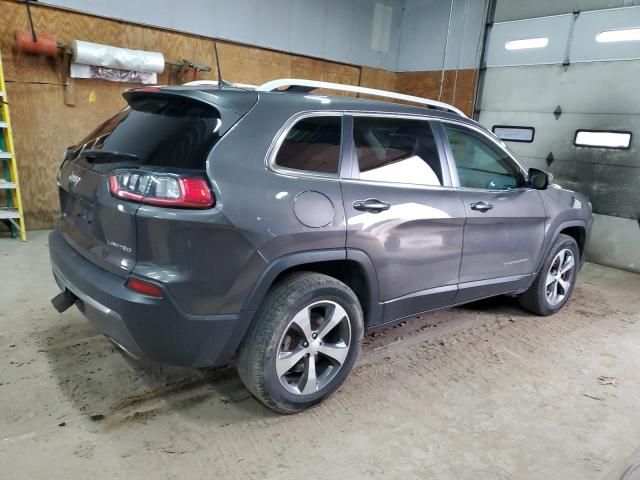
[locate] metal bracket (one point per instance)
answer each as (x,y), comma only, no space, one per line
(185,68)
(557,112)
(550,159)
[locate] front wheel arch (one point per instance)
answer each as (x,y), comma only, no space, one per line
(571,228)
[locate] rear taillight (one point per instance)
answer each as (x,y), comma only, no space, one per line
(163,189)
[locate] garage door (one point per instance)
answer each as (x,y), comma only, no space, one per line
(562,92)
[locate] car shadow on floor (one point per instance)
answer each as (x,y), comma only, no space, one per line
(500,304)
(103,383)
(106,385)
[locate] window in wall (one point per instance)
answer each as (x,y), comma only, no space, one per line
(396,150)
(603,139)
(481,164)
(313,145)
(622,35)
(527,43)
(514,134)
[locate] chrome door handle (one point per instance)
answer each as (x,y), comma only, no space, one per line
(371,205)
(481,206)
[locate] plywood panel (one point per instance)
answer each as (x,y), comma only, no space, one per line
(376,78)
(458,88)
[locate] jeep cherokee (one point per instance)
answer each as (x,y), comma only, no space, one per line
(207,223)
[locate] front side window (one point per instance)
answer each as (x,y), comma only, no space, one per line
(313,145)
(479,163)
(396,150)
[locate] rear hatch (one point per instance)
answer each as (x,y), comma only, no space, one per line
(162,131)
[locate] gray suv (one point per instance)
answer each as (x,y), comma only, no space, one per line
(271,226)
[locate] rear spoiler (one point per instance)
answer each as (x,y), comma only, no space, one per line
(231,104)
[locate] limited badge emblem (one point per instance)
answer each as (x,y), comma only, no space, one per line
(74,179)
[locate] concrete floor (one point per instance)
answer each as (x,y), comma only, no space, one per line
(484,391)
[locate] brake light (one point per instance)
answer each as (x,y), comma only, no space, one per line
(162,189)
(145,288)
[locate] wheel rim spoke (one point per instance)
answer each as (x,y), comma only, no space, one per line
(550,279)
(309,380)
(303,321)
(553,294)
(287,360)
(335,351)
(337,315)
(568,265)
(561,257)
(565,285)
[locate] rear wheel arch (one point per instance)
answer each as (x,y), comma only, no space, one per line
(352,267)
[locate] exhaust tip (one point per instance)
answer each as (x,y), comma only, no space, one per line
(64,300)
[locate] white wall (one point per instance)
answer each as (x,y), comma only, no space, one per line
(424,34)
(338,30)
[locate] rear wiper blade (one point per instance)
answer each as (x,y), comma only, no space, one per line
(106,155)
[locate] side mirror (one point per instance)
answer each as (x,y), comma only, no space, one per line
(539,179)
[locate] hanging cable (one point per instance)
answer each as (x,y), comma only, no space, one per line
(455,80)
(444,55)
(33,29)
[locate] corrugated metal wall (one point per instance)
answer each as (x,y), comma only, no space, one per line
(591,85)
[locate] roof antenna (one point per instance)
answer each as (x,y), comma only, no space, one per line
(221,82)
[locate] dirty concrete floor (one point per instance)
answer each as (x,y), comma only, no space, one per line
(483,391)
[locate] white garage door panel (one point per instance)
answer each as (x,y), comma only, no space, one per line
(602,87)
(557,136)
(608,177)
(507,10)
(556,29)
(584,46)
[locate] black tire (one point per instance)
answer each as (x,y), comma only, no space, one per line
(535,299)
(257,354)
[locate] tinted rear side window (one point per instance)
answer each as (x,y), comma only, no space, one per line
(163,132)
(396,150)
(313,145)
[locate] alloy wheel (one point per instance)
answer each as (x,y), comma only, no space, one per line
(560,276)
(313,348)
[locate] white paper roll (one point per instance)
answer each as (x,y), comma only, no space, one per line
(106,56)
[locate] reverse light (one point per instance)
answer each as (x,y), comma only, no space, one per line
(162,189)
(145,288)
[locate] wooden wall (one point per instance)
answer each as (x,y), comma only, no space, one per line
(44,126)
(458,88)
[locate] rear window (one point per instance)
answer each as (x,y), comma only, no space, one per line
(163,132)
(313,145)
(396,150)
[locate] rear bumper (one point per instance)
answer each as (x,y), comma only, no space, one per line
(152,328)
